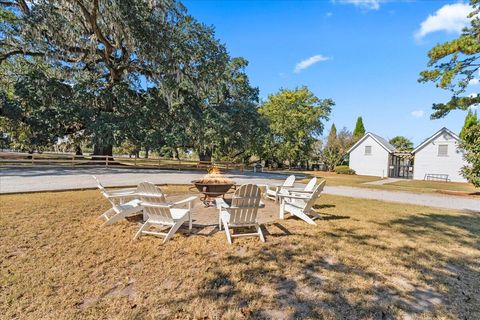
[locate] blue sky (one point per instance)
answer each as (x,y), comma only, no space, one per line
(366,54)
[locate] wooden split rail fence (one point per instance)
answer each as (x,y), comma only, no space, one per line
(14,159)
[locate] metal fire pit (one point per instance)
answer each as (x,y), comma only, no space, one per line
(211,191)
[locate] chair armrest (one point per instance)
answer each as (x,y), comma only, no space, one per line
(221,203)
(291,196)
(189,199)
(119,196)
(156,205)
(160,196)
(121,191)
(300,191)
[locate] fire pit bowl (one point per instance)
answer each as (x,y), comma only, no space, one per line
(213,190)
(213,185)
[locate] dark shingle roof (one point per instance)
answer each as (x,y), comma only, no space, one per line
(385,143)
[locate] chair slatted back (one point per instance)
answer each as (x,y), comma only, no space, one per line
(245,204)
(154,203)
(157,211)
(290,181)
(99,185)
(145,189)
(311,185)
(315,195)
(113,202)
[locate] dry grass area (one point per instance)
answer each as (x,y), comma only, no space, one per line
(434,186)
(334,179)
(364,260)
(403,185)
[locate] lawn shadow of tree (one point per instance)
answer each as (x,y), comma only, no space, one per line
(293,279)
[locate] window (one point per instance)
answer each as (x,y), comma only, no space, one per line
(443,150)
(368,150)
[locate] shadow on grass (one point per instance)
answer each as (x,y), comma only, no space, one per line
(294,280)
(323,206)
(327,216)
(464,228)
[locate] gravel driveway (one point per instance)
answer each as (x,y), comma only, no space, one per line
(14,180)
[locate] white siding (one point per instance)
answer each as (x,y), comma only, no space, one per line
(428,161)
(375,164)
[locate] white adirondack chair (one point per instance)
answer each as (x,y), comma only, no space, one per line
(148,189)
(121,209)
(301,206)
(118,196)
(272,192)
(242,212)
(309,188)
(160,214)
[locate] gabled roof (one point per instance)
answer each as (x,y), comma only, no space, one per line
(434,136)
(381,141)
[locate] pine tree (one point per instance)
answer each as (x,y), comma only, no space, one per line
(470,120)
(359,129)
(332,136)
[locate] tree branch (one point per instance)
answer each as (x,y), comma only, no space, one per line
(7,55)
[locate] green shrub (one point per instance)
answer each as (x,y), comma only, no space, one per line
(344,170)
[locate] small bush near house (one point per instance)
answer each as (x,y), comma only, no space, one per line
(344,170)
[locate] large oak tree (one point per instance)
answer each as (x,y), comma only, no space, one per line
(142,71)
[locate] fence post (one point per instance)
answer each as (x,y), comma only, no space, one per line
(73,161)
(106,162)
(135,161)
(32,159)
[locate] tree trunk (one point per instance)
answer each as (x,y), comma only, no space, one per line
(103,150)
(78,151)
(146,152)
(106,151)
(205,155)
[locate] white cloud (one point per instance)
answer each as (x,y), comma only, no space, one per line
(329,14)
(364,4)
(450,18)
(304,64)
(474,81)
(418,113)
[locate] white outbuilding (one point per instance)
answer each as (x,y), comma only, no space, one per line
(371,155)
(439,157)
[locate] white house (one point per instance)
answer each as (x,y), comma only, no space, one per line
(370,156)
(436,158)
(439,155)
